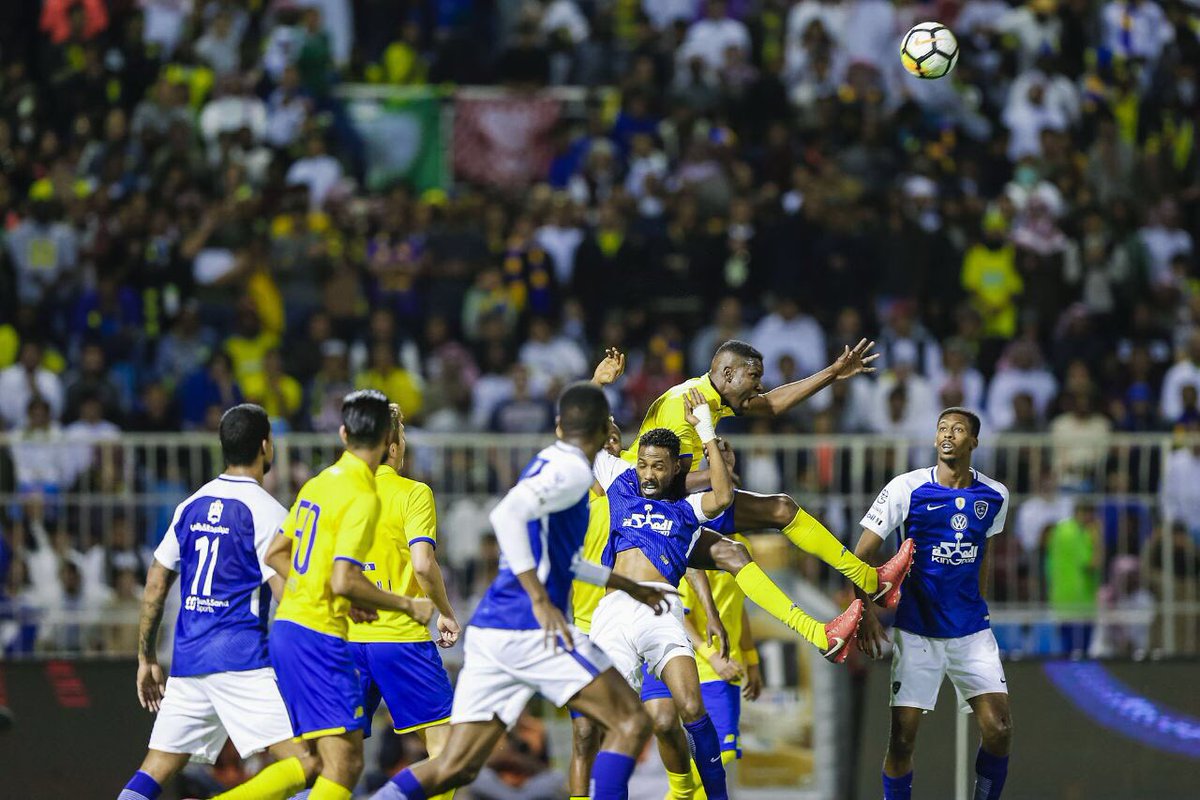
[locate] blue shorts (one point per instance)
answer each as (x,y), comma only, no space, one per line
(722,701)
(318,681)
(409,677)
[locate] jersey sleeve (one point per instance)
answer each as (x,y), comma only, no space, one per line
(1001,515)
(420,517)
(558,485)
(357,529)
(167,552)
(269,517)
(696,501)
(607,468)
(889,509)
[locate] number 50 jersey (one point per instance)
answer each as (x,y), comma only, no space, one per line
(216,542)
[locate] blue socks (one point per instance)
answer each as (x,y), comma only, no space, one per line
(706,752)
(897,788)
(610,775)
(990,772)
(403,786)
(140,787)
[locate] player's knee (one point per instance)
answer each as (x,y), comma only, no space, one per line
(311,764)
(996,731)
(635,726)
(782,509)
(690,708)
(902,743)
(664,718)
(584,733)
(730,555)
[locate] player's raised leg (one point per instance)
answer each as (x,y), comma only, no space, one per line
(753,511)
(714,551)
(995,733)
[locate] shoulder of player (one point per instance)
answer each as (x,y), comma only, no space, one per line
(909,482)
(993,484)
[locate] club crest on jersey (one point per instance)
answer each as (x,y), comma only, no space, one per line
(981,508)
(659,523)
(960,503)
(955,553)
(215,509)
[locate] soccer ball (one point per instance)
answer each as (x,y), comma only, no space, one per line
(929,50)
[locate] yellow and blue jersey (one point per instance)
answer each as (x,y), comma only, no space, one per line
(586,596)
(669,412)
(333,519)
(730,601)
(407,516)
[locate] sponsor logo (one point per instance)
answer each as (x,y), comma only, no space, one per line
(932,507)
(955,553)
(215,509)
(981,508)
(204,527)
(959,522)
(960,503)
(204,605)
(659,523)
(883,496)
(895,686)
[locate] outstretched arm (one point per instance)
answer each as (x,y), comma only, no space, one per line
(715,629)
(347,580)
(699,416)
(151,684)
(609,369)
(782,398)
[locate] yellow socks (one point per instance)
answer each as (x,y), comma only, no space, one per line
(759,587)
(443,796)
(806,532)
(279,781)
(682,787)
(325,789)
(727,758)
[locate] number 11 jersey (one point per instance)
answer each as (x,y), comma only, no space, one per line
(216,542)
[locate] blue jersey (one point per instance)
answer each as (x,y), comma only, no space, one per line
(664,530)
(951,527)
(556,483)
(216,542)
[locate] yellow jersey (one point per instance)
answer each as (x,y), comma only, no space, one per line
(586,596)
(730,602)
(333,519)
(407,515)
(668,411)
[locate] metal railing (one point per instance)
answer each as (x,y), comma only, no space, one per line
(103,505)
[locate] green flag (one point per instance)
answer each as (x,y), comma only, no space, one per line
(401,129)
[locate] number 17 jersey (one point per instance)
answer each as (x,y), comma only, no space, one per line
(216,542)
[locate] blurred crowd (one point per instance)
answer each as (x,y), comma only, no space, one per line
(185,224)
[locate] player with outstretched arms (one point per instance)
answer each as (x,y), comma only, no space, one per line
(951,512)
(657,533)
(221,683)
(519,643)
(398,661)
(320,550)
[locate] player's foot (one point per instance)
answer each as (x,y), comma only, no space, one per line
(892,574)
(840,632)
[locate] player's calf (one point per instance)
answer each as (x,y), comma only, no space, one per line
(585,744)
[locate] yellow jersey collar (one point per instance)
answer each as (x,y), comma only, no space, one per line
(710,392)
(354,464)
(385,469)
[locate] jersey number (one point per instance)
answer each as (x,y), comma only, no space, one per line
(306,528)
(207,555)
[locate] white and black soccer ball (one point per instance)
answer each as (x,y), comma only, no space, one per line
(929,50)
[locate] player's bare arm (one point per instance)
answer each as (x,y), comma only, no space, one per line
(871,636)
(610,368)
(752,686)
(279,555)
(554,624)
(714,630)
(151,684)
(726,668)
(852,361)
(699,416)
(429,577)
(698,480)
(347,581)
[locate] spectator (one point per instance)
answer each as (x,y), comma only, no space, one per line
(279,393)
(1164,239)
(43,249)
(1022,376)
(709,38)
(288,110)
(991,278)
(393,380)
(220,46)
(789,331)
(1184,373)
(320,172)
(1038,515)
(550,356)
(1181,485)
(522,412)
(727,324)
(25,381)
(1135,30)
(1080,440)
(186,347)
(92,381)
(213,385)
(526,63)
(1074,555)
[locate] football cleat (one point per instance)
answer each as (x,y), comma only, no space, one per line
(892,574)
(840,632)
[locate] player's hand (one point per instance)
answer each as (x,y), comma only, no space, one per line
(729,670)
(448,631)
(727,454)
(611,368)
(421,609)
(554,626)
(360,614)
(752,686)
(151,685)
(653,596)
(871,635)
(692,401)
(716,636)
(853,361)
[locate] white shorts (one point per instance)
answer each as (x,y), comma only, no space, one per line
(631,634)
(198,712)
(919,663)
(503,669)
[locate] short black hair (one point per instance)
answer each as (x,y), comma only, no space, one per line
(583,409)
(367,417)
(661,437)
(243,429)
(740,349)
(971,416)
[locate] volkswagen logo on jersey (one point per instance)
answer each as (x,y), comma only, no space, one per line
(959,522)
(955,553)
(659,523)
(981,508)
